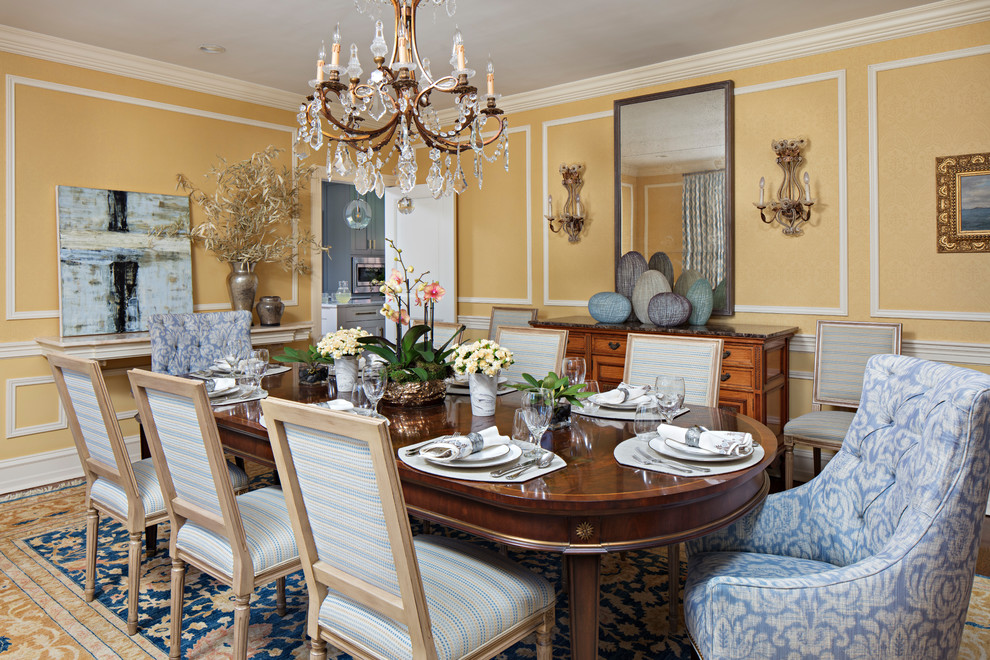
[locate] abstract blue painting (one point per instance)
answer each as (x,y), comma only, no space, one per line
(112,273)
(974,202)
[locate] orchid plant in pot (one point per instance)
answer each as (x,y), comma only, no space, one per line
(417,369)
(562,395)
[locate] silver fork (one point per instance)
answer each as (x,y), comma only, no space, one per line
(644,458)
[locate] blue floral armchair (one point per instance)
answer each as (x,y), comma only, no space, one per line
(181,343)
(875,556)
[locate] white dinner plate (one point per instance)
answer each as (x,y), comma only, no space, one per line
(672,449)
(625,405)
(335,404)
(510,453)
(224,392)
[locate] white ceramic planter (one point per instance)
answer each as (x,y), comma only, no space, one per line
(346,370)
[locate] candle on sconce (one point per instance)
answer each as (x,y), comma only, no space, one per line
(549,206)
(762,183)
(491,76)
(807,187)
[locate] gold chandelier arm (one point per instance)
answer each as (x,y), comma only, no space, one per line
(358,134)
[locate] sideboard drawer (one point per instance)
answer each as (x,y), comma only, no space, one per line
(609,346)
(734,355)
(607,368)
(576,343)
(736,379)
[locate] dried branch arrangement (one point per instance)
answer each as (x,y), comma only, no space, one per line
(251,216)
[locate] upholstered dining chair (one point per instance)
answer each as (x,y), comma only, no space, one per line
(537,351)
(242,541)
(841,351)
(874,557)
(443,332)
(126,491)
(517,317)
(181,343)
(375,591)
(698,360)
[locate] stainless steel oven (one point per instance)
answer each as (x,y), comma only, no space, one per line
(364,272)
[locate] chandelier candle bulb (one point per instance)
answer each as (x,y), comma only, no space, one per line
(321,61)
(335,48)
(491,77)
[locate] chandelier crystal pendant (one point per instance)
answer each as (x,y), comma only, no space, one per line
(364,125)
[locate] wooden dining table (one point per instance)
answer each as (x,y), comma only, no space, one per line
(592,507)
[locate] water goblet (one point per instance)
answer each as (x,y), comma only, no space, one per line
(259,356)
(669,392)
(231,354)
(537,411)
(374,378)
(520,430)
(647,419)
(588,404)
(574,369)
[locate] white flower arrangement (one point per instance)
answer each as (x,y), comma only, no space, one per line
(342,343)
(483,356)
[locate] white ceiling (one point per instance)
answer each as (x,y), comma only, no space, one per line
(534,43)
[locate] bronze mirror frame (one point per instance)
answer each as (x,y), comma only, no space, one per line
(726,86)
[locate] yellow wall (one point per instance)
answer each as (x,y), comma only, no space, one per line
(923,111)
(77,127)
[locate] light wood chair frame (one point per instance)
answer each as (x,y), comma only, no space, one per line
(493,327)
(120,474)
(229,524)
(410,608)
(561,343)
(817,401)
(714,363)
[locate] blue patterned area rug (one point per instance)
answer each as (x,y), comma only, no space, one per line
(42,613)
(633,610)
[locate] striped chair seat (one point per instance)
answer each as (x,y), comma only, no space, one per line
(472,595)
(113,497)
(266,528)
(822,424)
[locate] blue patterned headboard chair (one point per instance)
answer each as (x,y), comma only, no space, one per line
(876,555)
(181,343)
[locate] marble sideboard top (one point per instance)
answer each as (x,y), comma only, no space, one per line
(756,331)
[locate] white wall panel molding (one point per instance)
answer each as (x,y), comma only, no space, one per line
(842,202)
(937,351)
(15,431)
(547,125)
(54,49)
(12,82)
(10,350)
(894,25)
(50,467)
(528,300)
(873,101)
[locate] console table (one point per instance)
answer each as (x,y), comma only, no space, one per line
(754,359)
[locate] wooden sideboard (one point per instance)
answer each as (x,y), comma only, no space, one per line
(754,360)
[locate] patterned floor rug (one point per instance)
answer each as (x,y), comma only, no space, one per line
(43,614)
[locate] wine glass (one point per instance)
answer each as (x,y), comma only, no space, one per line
(574,369)
(588,404)
(537,411)
(520,430)
(260,357)
(233,352)
(669,393)
(374,378)
(647,419)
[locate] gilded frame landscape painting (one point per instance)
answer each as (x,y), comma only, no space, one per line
(112,273)
(962,185)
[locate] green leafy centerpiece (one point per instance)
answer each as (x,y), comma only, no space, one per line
(562,395)
(417,369)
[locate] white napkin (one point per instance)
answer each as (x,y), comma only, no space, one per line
(624,393)
(450,448)
(220,384)
(726,443)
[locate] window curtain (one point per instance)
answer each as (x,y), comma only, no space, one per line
(704,224)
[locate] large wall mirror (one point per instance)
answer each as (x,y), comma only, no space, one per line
(673,182)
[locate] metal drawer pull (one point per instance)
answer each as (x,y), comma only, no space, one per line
(614,345)
(726,354)
(725,377)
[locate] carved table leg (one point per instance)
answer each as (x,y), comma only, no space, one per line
(584,573)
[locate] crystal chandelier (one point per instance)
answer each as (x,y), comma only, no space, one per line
(367,124)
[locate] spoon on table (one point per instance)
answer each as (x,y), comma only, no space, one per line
(545,459)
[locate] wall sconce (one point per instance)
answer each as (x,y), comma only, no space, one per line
(571,217)
(790,211)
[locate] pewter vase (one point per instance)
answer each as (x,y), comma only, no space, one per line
(242,284)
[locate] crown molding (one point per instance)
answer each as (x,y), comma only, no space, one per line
(893,25)
(54,49)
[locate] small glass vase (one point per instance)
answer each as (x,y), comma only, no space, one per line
(561,418)
(343,293)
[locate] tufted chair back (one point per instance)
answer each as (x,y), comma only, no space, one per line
(916,456)
(181,343)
